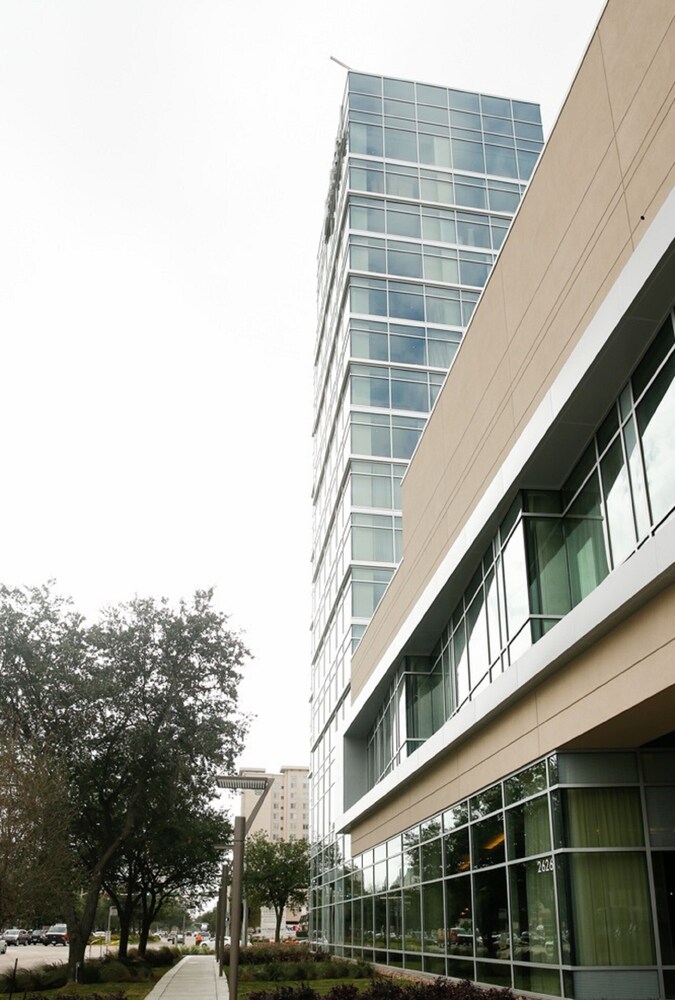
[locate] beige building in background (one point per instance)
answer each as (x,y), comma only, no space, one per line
(284,815)
(508,761)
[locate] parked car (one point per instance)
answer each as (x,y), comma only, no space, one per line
(16,935)
(180,938)
(37,935)
(56,934)
(3,945)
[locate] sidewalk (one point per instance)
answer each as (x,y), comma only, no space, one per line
(194,978)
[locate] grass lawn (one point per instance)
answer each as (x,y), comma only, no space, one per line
(322,986)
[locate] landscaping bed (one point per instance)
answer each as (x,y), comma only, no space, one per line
(106,977)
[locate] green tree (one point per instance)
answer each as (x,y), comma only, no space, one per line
(175,855)
(276,874)
(141,701)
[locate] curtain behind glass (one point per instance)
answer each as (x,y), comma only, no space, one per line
(611,918)
(602,817)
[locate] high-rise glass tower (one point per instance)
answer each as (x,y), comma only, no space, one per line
(423,186)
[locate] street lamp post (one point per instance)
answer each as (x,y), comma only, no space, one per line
(239,783)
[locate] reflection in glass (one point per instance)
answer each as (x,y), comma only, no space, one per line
(585,542)
(456,850)
(433,918)
(534,926)
(412,925)
(459,923)
(656,419)
(617,503)
(663,863)
(432,859)
(491,908)
(527,782)
(515,576)
(488,841)
(528,829)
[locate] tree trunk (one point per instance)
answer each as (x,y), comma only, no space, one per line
(149,910)
(278,912)
(80,925)
(125,915)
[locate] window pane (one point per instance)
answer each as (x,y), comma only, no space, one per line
(403,186)
(601,817)
(444,310)
(441,353)
(585,542)
(533,912)
(502,160)
(471,195)
(492,921)
(443,268)
(459,916)
(435,149)
(473,231)
(403,223)
(370,391)
(403,305)
(439,225)
(433,918)
(609,913)
(364,258)
(368,300)
(618,503)
(456,852)
(371,491)
(656,419)
(528,828)
(487,839)
(409,395)
(407,264)
(467,156)
(408,350)
(400,145)
(368,344)
(515,577)
(547,566)
(437,189)
(362,179)
(365,139)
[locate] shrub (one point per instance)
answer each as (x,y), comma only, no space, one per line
(268,953)
(157,957)
(114,971)
(387,989)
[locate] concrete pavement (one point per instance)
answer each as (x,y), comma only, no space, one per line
(194,978)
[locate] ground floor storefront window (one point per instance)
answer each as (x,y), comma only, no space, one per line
(558,880)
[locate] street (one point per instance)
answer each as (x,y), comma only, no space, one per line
(35,954)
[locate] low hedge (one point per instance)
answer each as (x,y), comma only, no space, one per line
(388,989)
(336,968)
(267,954)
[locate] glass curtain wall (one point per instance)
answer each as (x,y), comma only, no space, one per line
(422,189)
(554,880)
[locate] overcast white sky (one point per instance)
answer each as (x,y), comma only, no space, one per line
(163,170)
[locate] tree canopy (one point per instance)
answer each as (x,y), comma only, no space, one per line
(276,874)
(136,714)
